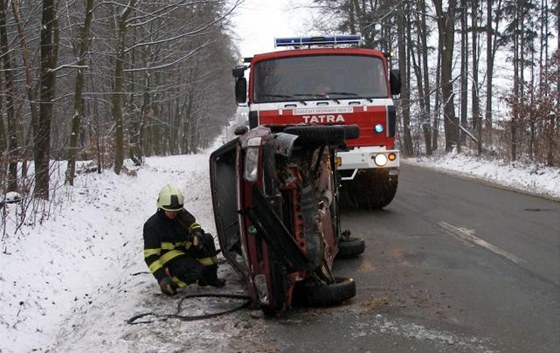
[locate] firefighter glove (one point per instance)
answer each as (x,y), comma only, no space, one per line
(168,287)
(197,236)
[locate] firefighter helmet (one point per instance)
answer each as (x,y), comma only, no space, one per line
(170,198)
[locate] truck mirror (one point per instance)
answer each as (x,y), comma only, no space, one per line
(395,82)
(238,71)
(241,90)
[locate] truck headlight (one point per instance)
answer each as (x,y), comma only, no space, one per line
(251,165)
(380,159)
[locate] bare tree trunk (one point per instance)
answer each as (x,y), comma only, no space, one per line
(158,131)
(13,148)
(533,117)
(78,95)
(135,121)
(425,94)
(437,99)
(492,16)
(190,122)
(464,71)
(30,89)
(146,113)
(3,139)
(99,144)
(476,116)
(352,18)
(405,78)
(446,26)
(118,87)
(550,140)
(554,128)
(42,129)
(517,84)
(26,63)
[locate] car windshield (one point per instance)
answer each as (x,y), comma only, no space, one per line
(319,77)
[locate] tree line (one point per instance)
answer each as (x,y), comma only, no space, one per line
(109,80)
(483,72)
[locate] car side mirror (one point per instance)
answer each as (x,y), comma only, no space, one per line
(395,82)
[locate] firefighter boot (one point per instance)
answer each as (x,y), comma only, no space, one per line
(209,276)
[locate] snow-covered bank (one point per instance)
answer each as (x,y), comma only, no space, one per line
(56,274)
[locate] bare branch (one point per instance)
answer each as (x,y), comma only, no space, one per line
(191,53)
(187,34)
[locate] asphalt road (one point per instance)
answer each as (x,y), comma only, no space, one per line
(451,265)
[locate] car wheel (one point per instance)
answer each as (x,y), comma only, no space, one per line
(328,135)
(350,248)
(316,293)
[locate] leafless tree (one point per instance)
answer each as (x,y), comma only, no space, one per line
(143,76)
(83,45)
(13,120)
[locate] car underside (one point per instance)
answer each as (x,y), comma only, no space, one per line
(275,198)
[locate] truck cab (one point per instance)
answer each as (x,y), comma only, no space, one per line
(331,81)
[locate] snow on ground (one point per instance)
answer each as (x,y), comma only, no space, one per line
(71,281)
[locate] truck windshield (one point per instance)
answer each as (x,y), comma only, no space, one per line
(317,77)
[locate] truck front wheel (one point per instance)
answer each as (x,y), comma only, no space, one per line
(371,189)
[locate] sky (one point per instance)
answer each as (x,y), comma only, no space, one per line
(69,281)
(258,22)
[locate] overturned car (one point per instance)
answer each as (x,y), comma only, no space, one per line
(275,199)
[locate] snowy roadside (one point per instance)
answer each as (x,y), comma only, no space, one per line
(70,283)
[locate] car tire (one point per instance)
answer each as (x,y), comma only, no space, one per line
(351,132)
(321,135)
(350,248)
(315,293)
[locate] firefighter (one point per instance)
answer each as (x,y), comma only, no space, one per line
(176,249)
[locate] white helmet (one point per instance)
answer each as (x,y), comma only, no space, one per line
(170,198)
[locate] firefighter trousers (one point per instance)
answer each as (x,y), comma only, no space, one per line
(195,264)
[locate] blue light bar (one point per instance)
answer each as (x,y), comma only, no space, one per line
(320,40)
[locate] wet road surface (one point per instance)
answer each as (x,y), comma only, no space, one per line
(451,265)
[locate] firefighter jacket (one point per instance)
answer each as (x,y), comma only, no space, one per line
(166,239)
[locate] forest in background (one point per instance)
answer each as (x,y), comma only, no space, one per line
(111,80)
(485,73)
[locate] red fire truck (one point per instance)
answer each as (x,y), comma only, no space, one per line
(331,81)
